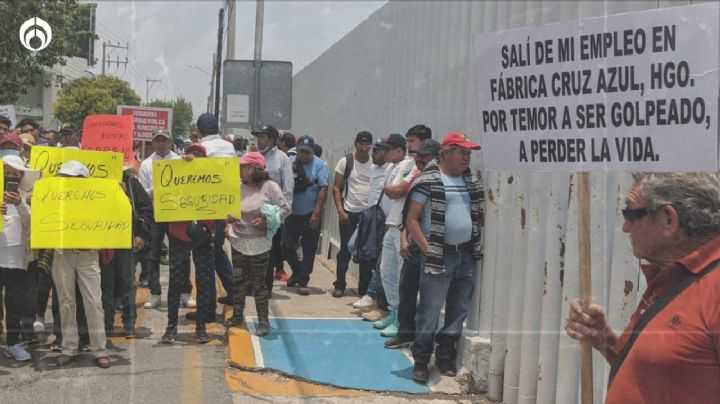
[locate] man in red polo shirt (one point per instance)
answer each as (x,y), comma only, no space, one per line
(673,220)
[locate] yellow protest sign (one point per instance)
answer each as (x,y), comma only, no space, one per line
(87,213)
(100,164)
(202,189)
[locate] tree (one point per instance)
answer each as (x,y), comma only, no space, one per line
(20,68)
(182,114)
(84,96)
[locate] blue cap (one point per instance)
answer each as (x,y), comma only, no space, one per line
(207,124)
(306,143)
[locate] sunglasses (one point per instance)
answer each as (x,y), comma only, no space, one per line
(631,215)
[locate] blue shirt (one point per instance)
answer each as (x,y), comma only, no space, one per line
(458,222)
(303,203)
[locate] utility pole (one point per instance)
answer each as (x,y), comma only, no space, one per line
(259,15)
(211,100)
(106,59)
(218,62)
(148,85)
(231,30)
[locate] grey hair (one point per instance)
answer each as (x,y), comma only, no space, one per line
(695,196)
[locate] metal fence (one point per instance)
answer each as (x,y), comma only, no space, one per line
(412,62)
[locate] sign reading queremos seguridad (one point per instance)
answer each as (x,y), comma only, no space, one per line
(201,189)
(629,92)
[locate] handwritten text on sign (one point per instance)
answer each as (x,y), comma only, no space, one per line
(99,164)
(627,92)
(88,213)
(109,133)
(201,189)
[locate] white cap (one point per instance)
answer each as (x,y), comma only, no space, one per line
(29,175)
(74,168)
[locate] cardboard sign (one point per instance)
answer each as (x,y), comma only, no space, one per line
(109,133)
(146,120)
(100,164)
(88,213)
(202,189)
(630,92)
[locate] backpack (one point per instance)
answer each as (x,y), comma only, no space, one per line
(370,232)
(349,164)
(301,180)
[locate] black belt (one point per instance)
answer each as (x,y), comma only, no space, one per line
(458,247)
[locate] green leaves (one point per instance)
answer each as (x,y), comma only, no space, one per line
(85,96)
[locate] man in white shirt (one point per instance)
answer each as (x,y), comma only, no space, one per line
(350,196)
(161,143)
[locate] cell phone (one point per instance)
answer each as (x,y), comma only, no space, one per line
(11,186)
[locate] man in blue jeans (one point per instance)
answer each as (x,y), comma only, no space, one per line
(450,197)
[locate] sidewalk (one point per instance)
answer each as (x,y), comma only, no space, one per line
(320,347)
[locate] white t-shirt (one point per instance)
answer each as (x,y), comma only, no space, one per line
(145,176)
(401,173)
(358,184)
(14,238)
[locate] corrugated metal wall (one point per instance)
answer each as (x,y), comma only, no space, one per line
(412,62)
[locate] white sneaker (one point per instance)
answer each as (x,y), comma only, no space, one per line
(365,302)
(188,301)
(153,303)
(18,353)
(38,325)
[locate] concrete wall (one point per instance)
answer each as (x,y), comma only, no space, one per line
(412,62)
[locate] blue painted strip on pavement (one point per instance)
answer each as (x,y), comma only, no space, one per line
(342,352)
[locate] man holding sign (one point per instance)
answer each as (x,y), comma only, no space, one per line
(670,350)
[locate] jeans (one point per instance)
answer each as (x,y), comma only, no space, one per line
(343,256)
(390,263)
(409,287)
(453,288)
(375,288)
(152,259)
(18,303)
(223,267)
(203,256)
(297,231)
(119,275)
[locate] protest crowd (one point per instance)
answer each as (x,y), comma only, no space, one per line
(411,215)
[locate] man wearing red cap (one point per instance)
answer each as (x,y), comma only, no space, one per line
(444,220)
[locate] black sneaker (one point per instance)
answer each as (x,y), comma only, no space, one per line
(303,290)
(396,342)
(421,374)
(201,334)
(234,321)
(226,300)
(291,282)
(129,333)
(263,329)
(446,368)
(338,293)
(170,334)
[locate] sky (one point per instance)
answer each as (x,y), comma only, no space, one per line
(167,38)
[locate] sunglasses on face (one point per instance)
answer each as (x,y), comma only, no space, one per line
(631,215)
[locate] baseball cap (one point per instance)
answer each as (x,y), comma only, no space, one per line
(161,133)
(74,168)
(29,175)
(395,140)
(207,124)
(268,130)
(69,127)
(429,147)
(13,138)
(458,139)
(363,136)
(379,145)
(195,146)
(306,143)
(255,159)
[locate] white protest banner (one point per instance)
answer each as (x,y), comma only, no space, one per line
(635,91)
